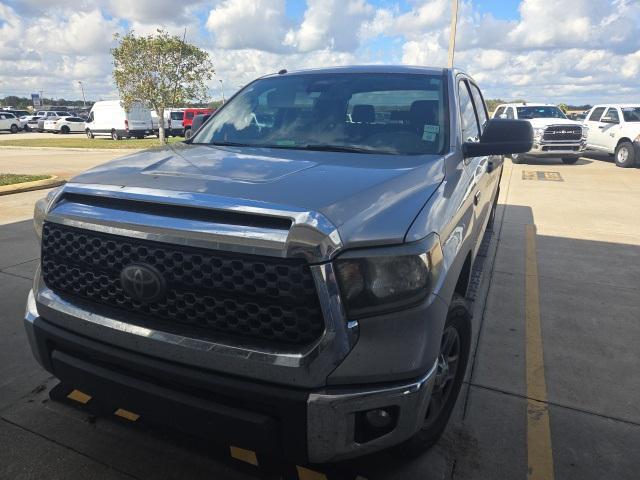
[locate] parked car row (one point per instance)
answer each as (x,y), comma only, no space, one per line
(610,128)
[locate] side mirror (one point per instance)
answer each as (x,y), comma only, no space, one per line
(609,120)
(501,137)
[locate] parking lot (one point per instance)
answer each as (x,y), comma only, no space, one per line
(552,387)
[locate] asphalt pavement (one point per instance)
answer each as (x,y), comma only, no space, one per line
(551,390)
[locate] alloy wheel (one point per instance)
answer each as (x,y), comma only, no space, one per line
(448,361)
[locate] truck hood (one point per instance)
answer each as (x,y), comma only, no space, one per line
(371,199)
(543,122)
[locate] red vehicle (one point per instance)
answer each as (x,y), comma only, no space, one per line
(187,119)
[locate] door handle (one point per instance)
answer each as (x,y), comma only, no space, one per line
(476,198)
(601,127)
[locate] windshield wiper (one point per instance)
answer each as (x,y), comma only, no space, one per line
(340,148)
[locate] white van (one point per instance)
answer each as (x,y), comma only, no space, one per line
(109,118)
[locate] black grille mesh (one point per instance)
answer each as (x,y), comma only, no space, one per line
(261,297)
(563,133)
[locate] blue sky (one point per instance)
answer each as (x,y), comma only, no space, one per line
(525,49)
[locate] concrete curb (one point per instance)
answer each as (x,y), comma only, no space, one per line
(51,182)
(75,149)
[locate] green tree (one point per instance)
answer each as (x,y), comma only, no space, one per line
(564,107)
(160,71)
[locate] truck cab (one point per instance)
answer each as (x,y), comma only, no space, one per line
(615,129)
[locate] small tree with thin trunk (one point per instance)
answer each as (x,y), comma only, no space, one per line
(160,71)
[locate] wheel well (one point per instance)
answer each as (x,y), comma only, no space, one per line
(464,277)
(624,139)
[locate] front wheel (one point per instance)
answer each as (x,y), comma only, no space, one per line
(187,134)
(14,128)
(89,133)
(451,365)
(115,135)
(64,130)
(517,158)
(625,155)
(569,160)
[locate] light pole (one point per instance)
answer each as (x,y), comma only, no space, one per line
(452,34)
(221,89)
(84,102)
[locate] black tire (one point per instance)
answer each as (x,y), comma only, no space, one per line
(458,320)
(570,160)
(14,128)
(115,135)
(187,134)
(26,128)
(625,156)
(517,158)
(89,133)
(64,130)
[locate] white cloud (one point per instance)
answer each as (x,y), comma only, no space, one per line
(239,24)
(332,24)
(579,51)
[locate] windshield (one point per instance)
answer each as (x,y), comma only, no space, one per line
(539,112)
(631,114)
(363,113)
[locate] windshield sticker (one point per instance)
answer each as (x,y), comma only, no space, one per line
(432,128)
(428,137)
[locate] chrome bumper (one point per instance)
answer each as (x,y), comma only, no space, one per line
(331,418)
(556,149)
(331,414)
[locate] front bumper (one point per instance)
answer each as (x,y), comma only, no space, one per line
(301,425)
(544,149)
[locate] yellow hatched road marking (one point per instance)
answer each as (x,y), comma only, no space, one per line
(79,396)
(539,453)
(306,474)
(247,456)
(127,415)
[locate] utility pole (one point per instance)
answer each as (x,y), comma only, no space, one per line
(221,89)
(84,101)
(452,34)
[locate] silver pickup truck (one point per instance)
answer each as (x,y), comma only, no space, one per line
(291,280)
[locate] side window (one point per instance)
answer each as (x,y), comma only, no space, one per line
(481,108)
(596,115)
(510,113)
(90,118)
(498,112)
(613,113)
(469,122)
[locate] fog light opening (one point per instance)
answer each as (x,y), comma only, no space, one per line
(372,424)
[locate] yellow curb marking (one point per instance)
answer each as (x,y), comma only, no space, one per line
(306,474)
(247,456)
(126,414)
(539,453)
(79,396)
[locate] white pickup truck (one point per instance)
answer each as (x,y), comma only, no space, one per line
(615,129)
(554,135)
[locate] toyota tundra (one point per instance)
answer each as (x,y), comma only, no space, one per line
(292,279)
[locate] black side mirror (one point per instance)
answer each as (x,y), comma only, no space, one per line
(501,137)
(609,120)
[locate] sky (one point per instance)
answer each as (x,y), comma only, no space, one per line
(573,51)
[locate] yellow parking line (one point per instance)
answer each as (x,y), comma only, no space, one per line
(539,453)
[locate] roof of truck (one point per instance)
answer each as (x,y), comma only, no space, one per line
(407,69)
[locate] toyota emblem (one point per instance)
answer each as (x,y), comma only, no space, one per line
(143,282)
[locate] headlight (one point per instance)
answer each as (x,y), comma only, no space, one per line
(386,280)
(42,208)
(538,132)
